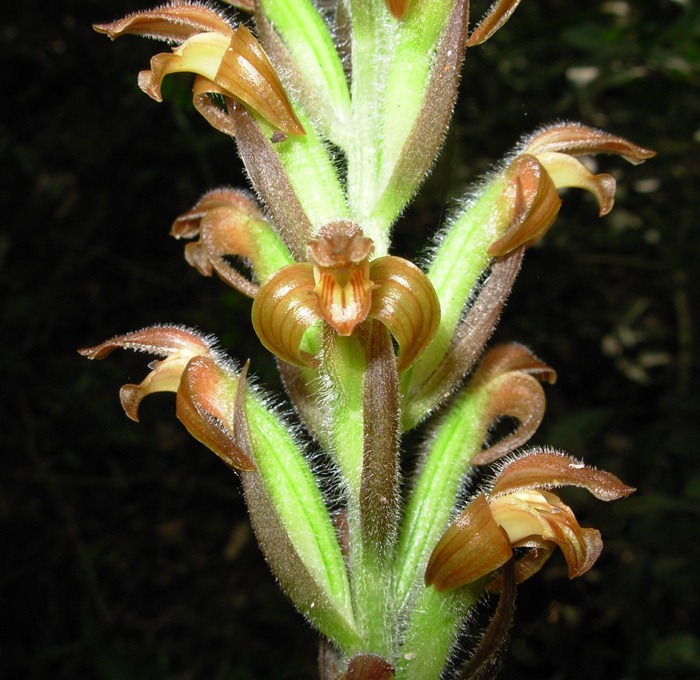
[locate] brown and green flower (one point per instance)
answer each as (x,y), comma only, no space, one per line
(228,61)
(343,286)
(520,511)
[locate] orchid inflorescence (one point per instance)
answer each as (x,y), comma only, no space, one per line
(369,345)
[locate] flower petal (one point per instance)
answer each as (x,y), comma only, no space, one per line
(567,171)
(581,547)
(535,205)
(247,67)
(404,300)
(206,402)
(497,15)
(520,514)
(576,139)
(174,22)
(473,546)
(178,346)
(284,308)
(550,469)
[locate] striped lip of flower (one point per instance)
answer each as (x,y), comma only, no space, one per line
(205,385)
(521,512)
(340,257)
(343,287)
(227,61)
(548,161)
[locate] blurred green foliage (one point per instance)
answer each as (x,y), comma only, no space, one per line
(126,550)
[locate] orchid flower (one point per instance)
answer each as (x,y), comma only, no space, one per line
(521,512)
(227,61)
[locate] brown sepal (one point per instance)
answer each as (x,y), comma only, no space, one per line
(284,308)
(270,180)
(174,22)
(535,205)
(473,546)
(405,301)
(543,469)
(497,15)
(576,139)
(206,406)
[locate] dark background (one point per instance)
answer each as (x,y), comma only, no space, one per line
(126,552)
